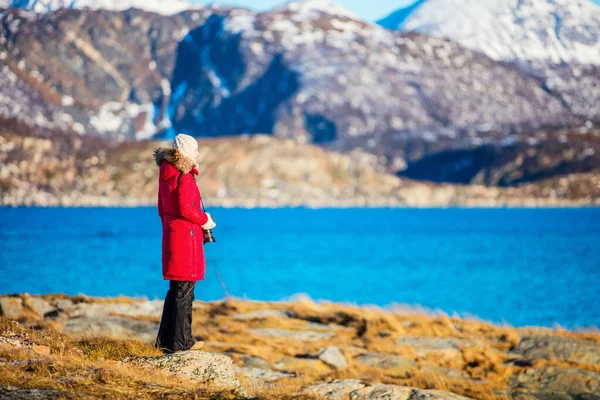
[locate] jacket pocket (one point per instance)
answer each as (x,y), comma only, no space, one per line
(179,237)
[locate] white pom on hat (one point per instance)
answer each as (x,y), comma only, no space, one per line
(186,144)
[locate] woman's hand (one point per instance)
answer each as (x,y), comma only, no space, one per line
(210,224)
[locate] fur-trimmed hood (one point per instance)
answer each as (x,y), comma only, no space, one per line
(173,156)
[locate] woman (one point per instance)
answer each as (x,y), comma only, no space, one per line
(183,222)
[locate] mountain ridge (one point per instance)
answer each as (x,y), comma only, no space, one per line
(159,6)
(315,77)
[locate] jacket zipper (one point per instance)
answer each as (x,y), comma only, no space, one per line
(195,254)
(193,239)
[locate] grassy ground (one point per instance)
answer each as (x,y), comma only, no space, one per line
(87,367)
(91,366)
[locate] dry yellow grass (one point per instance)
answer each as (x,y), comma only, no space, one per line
(88,367)
(91,365)
(485,366)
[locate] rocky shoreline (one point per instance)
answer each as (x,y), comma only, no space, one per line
(299,349)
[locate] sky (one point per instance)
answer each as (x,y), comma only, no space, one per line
(370,10)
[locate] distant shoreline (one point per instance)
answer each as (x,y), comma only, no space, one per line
(327,207)
(257,172)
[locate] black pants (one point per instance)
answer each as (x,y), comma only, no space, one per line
(175,331)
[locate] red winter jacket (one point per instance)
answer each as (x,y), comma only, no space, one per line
(181,216)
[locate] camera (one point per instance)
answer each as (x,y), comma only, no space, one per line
(208,235)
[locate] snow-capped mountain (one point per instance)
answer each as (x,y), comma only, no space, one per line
(300,8)
(301,70)
(308,70)
(556,31)
(167,7)
(334,80)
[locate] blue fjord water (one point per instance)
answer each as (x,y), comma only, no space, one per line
(519,266)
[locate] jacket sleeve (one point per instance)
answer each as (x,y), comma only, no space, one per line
(187,209)
(160,206)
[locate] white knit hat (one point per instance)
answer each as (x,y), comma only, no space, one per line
(186,144)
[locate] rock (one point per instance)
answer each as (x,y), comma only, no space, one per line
(11,307)
(53,314)
(301,364)
(10,342)
(305,336)
(261,314)
(152,308)
(424,345)
(44,350)
(134,309)
(114,326)
(381,391)
(334,357)
(551,347)
(39,305)
(572,381)
(353,351)
(197,366)
(261,374)
(256,362)
(433,394)
(94,326)
(394,392)
(338,389)
(15,393)
(385,361)
(64,305)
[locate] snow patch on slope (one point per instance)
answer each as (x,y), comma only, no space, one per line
(309,9)
(533,30)
(117,119)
